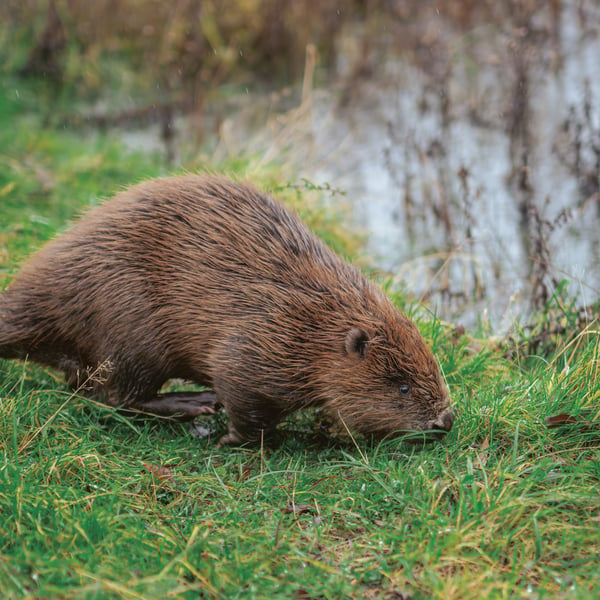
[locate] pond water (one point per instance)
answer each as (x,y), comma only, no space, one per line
(474,172)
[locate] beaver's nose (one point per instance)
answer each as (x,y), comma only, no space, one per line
(444,421)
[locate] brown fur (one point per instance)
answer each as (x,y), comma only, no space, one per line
(206,279)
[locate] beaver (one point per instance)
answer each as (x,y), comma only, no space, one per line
(207,279)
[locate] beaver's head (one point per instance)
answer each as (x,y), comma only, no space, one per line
(386,382)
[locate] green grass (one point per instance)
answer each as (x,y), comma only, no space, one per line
(94,505)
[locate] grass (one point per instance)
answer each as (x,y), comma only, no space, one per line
(95,505)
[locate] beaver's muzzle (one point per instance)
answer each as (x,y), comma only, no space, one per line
(443,424)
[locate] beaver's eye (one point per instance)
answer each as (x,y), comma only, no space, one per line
(404,389)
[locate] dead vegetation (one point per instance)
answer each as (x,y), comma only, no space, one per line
(189,51)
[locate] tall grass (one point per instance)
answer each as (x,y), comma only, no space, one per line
(95,505)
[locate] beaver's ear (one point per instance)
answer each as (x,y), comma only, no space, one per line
(357,342)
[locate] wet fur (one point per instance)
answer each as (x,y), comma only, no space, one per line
(210,280)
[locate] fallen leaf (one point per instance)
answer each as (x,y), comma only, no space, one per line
(560,419)
(482,455)
(8,188)
(161,473)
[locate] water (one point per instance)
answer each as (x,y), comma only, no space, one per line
(432,173)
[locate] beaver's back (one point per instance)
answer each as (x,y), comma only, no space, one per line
(171,261)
